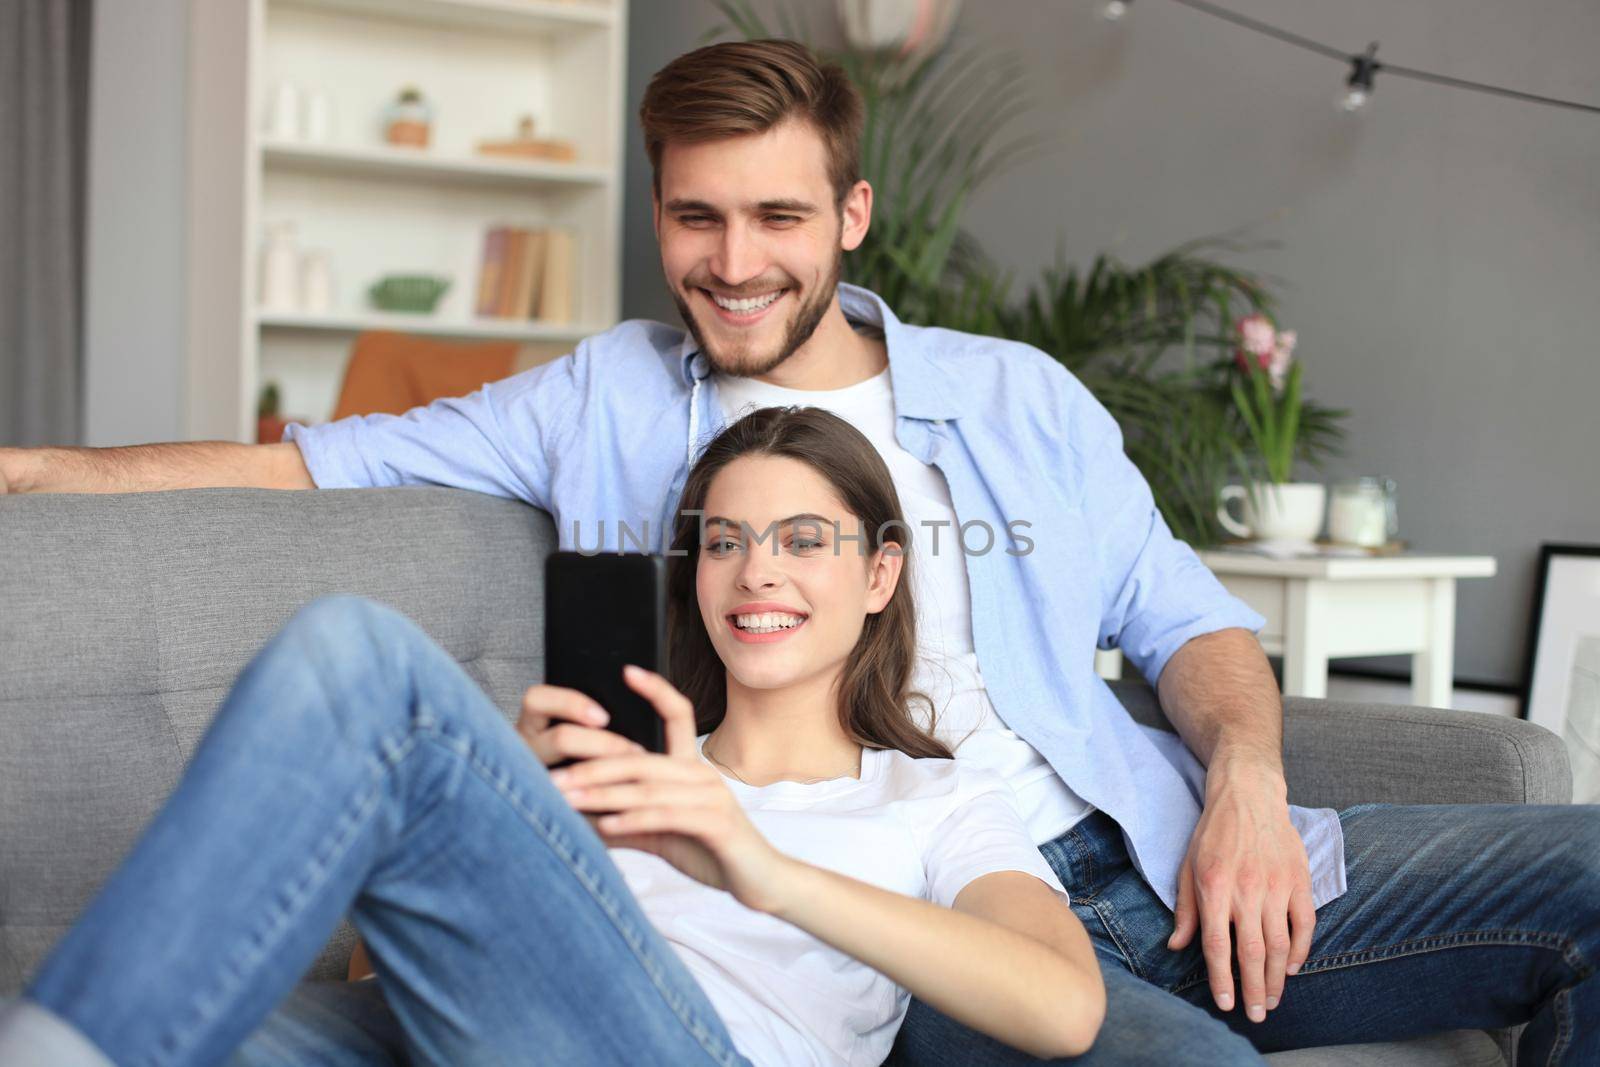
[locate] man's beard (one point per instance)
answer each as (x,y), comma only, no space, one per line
(802,325)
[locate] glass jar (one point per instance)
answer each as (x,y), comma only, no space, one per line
(1362,512)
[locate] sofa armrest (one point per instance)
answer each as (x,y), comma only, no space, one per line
(1341,753)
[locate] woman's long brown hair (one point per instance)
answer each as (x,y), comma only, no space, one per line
(874,687)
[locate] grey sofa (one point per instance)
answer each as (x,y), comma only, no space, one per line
(125,618)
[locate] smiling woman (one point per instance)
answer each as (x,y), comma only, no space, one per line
(777,535)
(863,864)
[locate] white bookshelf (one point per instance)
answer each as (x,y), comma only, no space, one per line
(376,209)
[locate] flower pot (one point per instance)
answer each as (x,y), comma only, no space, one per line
(1292,511)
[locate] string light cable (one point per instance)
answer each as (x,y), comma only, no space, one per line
(1363,67)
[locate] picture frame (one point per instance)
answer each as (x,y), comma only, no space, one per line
(1561,678)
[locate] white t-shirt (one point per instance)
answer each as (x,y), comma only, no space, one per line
(921,827)
(947,664)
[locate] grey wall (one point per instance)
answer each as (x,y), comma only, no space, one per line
(1441,253)
(135,308)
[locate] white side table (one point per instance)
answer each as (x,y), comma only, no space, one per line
(1324,607)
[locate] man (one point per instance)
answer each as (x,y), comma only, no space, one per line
(1040,541)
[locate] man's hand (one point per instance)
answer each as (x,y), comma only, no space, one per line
(1247,866)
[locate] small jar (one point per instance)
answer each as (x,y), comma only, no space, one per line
(408,119)
(1362,512)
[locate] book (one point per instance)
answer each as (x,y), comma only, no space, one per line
(494,253)
(560,255)
(530,275)
(506,290)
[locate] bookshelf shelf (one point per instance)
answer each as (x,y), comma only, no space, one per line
(413,165)
(433,325)
(545,17)
(360,210)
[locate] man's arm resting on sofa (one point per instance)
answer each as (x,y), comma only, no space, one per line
(146,468)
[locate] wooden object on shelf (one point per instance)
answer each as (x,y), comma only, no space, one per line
(555,151)
(526,146)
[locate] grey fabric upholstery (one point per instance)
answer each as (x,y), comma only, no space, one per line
(124,619)
(1338,754)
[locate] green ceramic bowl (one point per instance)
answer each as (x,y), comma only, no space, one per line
(417,293)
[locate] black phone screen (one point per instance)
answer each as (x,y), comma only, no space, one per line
(600,612)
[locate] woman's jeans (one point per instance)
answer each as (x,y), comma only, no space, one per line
(355,768)
(1456,917)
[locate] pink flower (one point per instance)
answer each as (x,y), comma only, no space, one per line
(1282,351)
(1257,341)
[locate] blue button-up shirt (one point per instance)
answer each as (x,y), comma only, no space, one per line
(605,437)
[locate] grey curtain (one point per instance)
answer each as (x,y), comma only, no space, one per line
(44,92)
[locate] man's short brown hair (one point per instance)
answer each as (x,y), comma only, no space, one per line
(748,87)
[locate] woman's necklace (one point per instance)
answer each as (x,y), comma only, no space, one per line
(706,748)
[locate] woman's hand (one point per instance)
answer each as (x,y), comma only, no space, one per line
(562,724)
(676,806)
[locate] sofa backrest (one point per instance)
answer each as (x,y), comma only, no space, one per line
(125,618)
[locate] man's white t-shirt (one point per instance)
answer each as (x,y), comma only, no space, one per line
(925,828)
(947,664)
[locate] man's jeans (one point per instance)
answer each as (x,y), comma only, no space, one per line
(356,768)
(1457,916)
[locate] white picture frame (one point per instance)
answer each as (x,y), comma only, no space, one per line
(1561,683)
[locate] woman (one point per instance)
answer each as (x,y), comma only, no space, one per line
(776,889)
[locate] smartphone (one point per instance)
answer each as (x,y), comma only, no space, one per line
(600,612)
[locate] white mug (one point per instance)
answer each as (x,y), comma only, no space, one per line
(1289,512)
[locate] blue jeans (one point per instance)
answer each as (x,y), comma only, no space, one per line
(356,768)
(1456,916)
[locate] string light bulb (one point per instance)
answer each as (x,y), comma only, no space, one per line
(1114,10)
(1358,88)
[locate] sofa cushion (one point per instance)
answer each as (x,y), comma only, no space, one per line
(127,617)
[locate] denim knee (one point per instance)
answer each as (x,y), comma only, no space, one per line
(353,647)
(346,619)
(354,631)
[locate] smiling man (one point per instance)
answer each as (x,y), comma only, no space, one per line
(1203,888)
